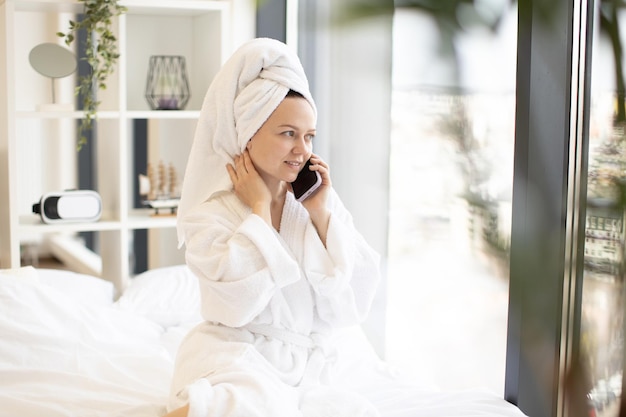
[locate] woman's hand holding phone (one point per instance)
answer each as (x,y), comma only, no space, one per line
(316,202)
(316,174)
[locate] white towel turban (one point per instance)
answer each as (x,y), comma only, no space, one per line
(241,97)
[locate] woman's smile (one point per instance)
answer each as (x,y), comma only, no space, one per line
(294,164)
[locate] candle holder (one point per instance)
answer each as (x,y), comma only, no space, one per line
(167,87)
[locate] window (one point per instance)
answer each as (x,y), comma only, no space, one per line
(601,334)
(451,175)
(561,236)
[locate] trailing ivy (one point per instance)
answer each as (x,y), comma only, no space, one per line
(101,54)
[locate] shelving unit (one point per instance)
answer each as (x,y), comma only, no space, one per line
(37,148)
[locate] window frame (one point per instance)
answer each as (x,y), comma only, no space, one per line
(549,204)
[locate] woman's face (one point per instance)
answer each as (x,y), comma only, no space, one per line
(284,143)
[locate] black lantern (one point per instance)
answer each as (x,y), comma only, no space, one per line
(167,87)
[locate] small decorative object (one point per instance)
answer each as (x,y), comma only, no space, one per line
(167,87)
(160,189)
(53,61)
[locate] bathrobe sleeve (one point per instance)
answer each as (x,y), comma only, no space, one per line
(344,274)
(238,258)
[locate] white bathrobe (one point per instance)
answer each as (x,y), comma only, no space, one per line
(271,301)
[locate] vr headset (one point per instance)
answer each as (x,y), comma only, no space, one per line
(69,206)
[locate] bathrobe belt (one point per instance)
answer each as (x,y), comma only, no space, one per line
(315,340)
(320,353)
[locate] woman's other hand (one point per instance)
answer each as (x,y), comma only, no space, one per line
(249,186)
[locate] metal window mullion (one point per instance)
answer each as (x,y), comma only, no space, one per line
(539,244)
(570,402)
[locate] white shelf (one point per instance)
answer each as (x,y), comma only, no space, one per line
(134,114)
(138,219)
(49,6)
(145,219)
(32,224)
(27,114)
(37,145)
(156,7)
(173,8)
(164,114)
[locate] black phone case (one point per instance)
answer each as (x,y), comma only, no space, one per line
(306,182)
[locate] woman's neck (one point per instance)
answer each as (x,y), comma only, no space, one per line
(278,191)
(278,202)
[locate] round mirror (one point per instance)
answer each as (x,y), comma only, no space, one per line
(52,60)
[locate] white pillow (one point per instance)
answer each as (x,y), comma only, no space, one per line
(25,273)
(168,296)
(47,334)
(81,287)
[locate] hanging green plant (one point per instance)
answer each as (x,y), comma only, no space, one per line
(100,53)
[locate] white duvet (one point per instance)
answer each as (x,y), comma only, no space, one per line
(66,349)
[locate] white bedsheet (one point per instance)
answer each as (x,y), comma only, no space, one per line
(66,351)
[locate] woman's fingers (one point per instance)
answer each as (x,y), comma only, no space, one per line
(247,183)
(240,164)
(231,172)
(247,162)
(319,165)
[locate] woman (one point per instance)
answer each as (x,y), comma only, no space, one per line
(276,276)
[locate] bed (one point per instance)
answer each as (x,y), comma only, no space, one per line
(68,347)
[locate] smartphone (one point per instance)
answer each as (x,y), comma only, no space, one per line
(306,183)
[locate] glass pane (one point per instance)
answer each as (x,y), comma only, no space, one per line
(450,195)
(601,333)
